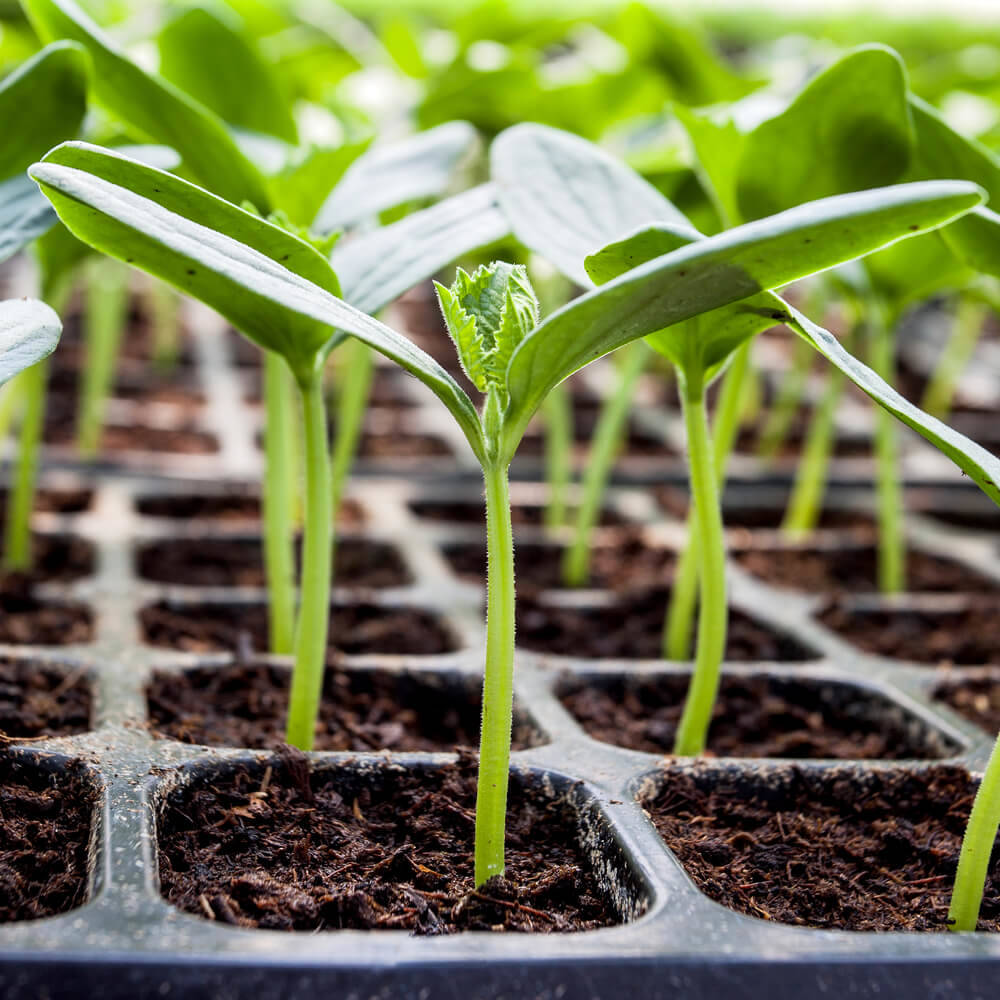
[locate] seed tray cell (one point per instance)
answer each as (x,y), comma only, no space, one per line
(127,941)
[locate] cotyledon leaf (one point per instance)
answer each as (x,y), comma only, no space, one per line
(235,82)
(974,460)
(261,278)
(975,240)
(564,197)
(42,103)
(375,268)
(29,331)
(718,270)
(153,107)
(385,176)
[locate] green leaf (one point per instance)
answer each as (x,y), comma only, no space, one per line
(981,466)
(300,187)
(153,108)
(376,267)
(42,103)
(566,198)
(975,240)
(847,130)
(717,148)
(216,65)
(29,331)
(267,283)
(716,271)
(419,167)
(25,215)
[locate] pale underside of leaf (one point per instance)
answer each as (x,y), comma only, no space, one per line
(29,331)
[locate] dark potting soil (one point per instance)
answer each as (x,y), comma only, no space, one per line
(184,440)
(389,849)
(136,381)
(57,500)
(25,619)
(45,824)
(753,717)
(355,629)
(245,705)
(850,569)
(675,500)
(633,629)
(137,342)
(230,507)
(873,851)
(239,562)
(395,444)
(969,635)
(977,698)
(39,699)
(844,445)
(57,558)
(626,564)
(521,514)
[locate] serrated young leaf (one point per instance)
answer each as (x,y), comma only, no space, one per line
(464,332)
(519,318)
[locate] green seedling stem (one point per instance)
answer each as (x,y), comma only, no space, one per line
(31,388)
(355,380)
(317,560)
(678,624)
(891,543)
(279,499)
(104,320)
(692,730)
(604,447)
(557,412)
(968,328)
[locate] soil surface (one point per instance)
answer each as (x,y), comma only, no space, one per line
(633,629)
(850,569)
(521,514)
(239,562)
(977,698)
(39,699)
(185,440)
(44,838)
(840,850)
(58,500)
(25,619)
(625,564)
(969,636)
(355,629)
(288,850)
(245,705)
(844,445)
(753,717)
(57,558)
(675,500)
(395,442)
(232,506)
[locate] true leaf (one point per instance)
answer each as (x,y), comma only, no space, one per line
(216,65)
(151,106)
(386,176)
(376,267)
(269,284)
(29,331)
(847,130)
(42,103)
(716,271)
(565,198)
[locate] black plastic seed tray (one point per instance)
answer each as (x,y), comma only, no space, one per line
(671,940)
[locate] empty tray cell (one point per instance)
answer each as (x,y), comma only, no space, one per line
(234,506)
(45,837)
(355,629)
(473,512)
(755,716)
(968,635)
(854,569)
(632,628)
(844,848)
(246,704)
(377,845)
(27,620)
(239,562)
(976,697)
